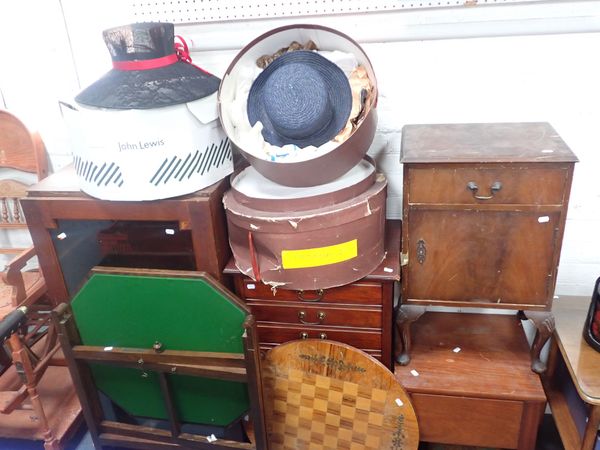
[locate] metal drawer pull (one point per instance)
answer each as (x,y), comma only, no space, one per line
(320,315)
(495,187)
(320,294)
(304,335)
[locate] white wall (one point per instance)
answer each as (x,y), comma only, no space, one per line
(550,77)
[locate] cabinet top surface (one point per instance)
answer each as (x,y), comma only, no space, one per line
(582,360)
(483,142)
(65,183)
(471,355)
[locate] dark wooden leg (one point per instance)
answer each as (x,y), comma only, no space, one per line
(407,314)
(255,386)
(591,429)
(81,374)
(544,323)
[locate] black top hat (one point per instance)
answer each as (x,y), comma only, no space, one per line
(147,72)
(301,98)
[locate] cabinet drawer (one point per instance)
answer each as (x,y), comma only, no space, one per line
(279,333)
(307,314)
(520,184)
(362,292)
(468,421)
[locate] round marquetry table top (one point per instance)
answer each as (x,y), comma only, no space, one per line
(324,395)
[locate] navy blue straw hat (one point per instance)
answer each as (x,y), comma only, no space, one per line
(301,98)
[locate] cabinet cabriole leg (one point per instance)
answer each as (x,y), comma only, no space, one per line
(544,324)
(407,314)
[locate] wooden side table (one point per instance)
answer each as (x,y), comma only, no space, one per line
(470,381)
(358,314)
(67,226)
(572,382)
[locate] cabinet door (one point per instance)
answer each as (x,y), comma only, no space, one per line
(481,257)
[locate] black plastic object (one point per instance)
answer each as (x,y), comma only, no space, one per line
(591,330)
(12,322)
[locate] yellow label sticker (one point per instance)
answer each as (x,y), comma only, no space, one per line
(319,256)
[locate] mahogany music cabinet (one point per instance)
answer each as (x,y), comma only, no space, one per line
(358,314)
(73,232)
(484,210)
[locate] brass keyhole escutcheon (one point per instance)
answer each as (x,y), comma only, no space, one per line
(421,251)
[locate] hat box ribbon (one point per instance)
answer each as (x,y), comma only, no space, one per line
(146,64)
(182,53)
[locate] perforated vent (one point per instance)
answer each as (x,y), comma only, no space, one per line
(191,11)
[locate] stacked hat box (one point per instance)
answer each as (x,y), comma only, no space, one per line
(299,103)
(307,238)
(310,166)
(148,129)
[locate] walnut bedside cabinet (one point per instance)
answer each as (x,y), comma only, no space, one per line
(484,210)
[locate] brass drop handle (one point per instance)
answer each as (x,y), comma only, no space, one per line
(322,336)
(495,187)
(320,315)
(318,298)
(304,335)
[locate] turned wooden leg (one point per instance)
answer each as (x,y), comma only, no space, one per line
(544,323)
(407,314)
(23,363)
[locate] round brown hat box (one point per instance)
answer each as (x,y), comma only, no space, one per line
(346,155)
(313,242)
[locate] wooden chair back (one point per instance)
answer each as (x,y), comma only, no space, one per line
(32,372)
(22,151)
